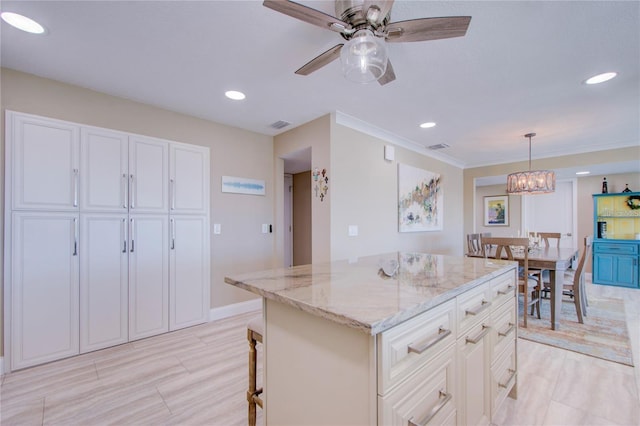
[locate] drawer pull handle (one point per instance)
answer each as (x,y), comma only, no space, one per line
(420,347)
(507,291)
(512,327)
(443,398)
(505,384)
(485,330)
(475,311)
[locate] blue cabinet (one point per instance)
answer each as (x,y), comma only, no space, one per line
(616,251)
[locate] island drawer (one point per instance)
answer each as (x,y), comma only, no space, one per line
(503,376)
(406,347)
(428,397)
(503,288)
(472,307)
(504,327)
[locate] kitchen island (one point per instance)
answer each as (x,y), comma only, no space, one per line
(347,344)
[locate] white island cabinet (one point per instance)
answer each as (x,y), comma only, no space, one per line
(344,344)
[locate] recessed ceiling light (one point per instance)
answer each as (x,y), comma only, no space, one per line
(235,95)
(22,22)
(601,78)
(427,125)
(583,173)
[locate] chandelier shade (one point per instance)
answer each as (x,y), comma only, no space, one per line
(531,181)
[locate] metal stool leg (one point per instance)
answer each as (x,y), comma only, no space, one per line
(253,336)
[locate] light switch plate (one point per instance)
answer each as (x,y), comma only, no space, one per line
(217,228)
(265,228)
(353,230)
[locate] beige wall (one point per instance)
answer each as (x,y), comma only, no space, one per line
(316,135)
(234,152)
(365,193)
(515,212)
(302,218)
(586,186)
(586,159)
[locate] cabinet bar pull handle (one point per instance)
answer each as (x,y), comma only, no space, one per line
(75,236)
(125,192)
(75,187)
(173,234)
(475,311)
(443,398)
(485,330)
(131,193)
(512,327)
(420,347)
(124,235)
(505,384)
(173,194)
(506,291)
(132,231)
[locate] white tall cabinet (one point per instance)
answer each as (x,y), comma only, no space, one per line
(107,238)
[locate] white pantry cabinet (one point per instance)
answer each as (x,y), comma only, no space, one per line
(105,170)
(117,190)
(148,275)
(45,163)
(44,287)
(148,175)
(189,271)
(189,179)
(104,280)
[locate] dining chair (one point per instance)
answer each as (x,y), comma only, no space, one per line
(474,242)
(574,285)
(528,283)
(546,236)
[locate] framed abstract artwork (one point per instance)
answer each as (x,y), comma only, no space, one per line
(420,200)
(496,210)
(239,185)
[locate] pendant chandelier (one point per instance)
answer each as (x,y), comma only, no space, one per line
(531,181)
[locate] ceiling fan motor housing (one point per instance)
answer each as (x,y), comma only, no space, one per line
(351,11)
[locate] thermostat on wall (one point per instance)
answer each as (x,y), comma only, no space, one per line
(389,152)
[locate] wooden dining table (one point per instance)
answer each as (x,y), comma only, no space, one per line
(556,261)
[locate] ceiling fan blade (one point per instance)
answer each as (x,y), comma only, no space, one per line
(307,14)
(384,7)
(427,29)
(388,75)
(320,60)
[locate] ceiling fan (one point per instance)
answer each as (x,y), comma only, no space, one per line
(365,26)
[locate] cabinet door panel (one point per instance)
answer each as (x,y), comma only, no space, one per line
(627,271)
(148,275)
(148,175)
(189,269)
(45,164)
(103,169)
(103,281)
(474,349)
(189,190)
(604,265)
(44,288)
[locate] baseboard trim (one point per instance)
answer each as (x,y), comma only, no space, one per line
(227,311)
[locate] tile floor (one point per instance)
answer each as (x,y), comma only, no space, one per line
(197,376)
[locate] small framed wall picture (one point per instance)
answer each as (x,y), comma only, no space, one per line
(496,210)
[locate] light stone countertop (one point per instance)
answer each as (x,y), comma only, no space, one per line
(358,294)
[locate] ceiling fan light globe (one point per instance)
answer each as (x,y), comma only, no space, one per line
(364,58)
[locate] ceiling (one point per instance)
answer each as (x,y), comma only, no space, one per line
(520,68)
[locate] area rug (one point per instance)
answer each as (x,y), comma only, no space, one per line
(603,335)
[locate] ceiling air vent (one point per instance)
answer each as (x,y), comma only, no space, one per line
(439,146)
(280,124)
